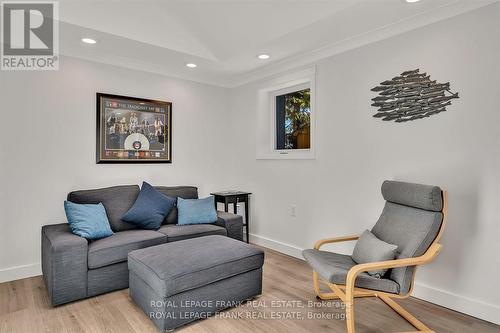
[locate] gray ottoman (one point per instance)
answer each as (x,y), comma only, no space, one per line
(179,282)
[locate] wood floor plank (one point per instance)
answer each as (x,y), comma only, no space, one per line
(288,304)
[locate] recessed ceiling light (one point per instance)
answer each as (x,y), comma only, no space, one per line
(89,41)
(412,1)
(263,56)
(191,65)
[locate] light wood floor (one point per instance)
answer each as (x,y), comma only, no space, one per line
(24,307)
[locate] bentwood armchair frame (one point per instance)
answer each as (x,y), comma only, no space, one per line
(348,292)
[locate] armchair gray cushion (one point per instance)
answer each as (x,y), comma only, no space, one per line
(333,267)
(411,219)
(117,200)
(425,197)
(371,249)
(412,230)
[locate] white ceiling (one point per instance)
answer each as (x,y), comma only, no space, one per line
(224,36)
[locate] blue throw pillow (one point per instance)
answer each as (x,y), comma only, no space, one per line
(196,211)
(87,220)
(149,209)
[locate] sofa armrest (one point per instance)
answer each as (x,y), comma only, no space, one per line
(233,224)
(64,263)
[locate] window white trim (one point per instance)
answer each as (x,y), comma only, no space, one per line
(266,115)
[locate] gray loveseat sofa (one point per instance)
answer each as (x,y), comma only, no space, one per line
(75,268)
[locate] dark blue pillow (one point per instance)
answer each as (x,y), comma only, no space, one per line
(149,209)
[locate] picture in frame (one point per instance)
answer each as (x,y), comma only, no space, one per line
(133,130)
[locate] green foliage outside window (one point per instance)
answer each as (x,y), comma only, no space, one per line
(298,119)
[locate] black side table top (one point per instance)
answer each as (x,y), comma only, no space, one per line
(230,193)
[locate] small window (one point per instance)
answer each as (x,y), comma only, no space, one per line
(293,120)
(286,116)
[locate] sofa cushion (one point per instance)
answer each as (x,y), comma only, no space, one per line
(108,278)
(150,208)
(117,200)
(171,268)
(333,267)
(185,192)
(114,249)
(180,232)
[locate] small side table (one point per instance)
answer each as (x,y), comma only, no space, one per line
(234,197)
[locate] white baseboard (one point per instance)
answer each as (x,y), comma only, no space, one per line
(20,272)
(473,307)
(463,304)
(272,244)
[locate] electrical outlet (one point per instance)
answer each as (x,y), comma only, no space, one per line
(293,210)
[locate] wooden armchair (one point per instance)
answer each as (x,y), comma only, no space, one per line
(413,218)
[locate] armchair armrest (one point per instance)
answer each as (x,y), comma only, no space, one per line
(64,263)
(233,224)
(321,242)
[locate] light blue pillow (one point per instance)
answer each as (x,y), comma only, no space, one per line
(87,220)
(196,211)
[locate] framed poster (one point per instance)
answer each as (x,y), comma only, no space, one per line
(133,130)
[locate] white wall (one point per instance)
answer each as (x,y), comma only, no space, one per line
(47,148)
(338,193)
(47,142)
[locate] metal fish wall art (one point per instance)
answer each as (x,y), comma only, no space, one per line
(411,96)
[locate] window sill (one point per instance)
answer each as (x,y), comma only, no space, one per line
(299,154)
